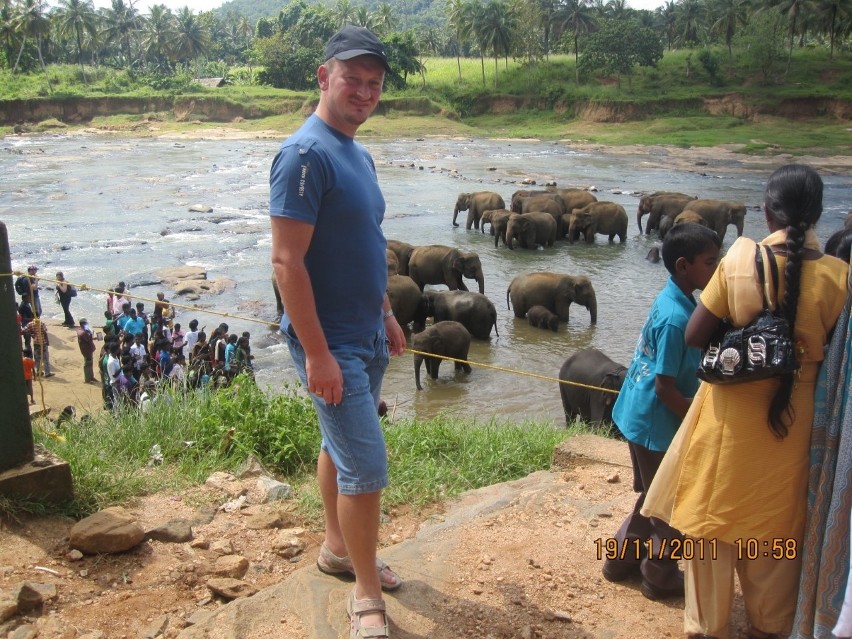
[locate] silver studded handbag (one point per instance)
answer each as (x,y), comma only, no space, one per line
(761,349)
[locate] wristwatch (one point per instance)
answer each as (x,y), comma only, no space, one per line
(388,313)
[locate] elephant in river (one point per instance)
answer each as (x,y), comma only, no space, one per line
(407,301)
(658,205)
(492,217)
(719,214)
(539,317)
(437,264)
(476,204)
(473,310)
(549,202)
(444,339)
(554,291)
(605,218)
(574,198)
(591,367)
(666,224)
(403,254)
(532,230)
(499,223)
(393,262)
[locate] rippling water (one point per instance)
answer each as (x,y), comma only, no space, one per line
(105,209)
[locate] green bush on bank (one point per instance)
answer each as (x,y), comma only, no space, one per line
(110,454)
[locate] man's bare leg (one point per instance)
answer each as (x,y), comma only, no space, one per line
(352,528)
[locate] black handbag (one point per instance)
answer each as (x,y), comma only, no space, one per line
(761,349)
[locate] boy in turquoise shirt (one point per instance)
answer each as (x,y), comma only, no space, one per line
(656,394)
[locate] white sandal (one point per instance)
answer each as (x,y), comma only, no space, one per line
(357,607)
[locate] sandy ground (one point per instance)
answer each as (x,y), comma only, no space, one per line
(66,387)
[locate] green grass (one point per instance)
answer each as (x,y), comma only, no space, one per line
(198,434)
(539,100)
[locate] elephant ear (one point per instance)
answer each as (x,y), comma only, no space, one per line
(458,264)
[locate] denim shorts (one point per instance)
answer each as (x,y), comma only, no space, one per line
(351,432)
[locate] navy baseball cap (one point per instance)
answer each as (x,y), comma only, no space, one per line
(352,41)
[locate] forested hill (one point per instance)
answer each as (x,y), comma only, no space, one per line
(410,14)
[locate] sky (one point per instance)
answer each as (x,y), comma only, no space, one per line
(207,5)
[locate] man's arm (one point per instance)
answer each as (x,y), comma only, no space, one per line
(290,242)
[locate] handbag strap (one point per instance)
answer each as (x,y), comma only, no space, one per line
(770,302)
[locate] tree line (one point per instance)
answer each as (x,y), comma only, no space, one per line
(604,35)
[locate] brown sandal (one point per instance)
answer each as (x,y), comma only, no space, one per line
(331,564)
(357,607)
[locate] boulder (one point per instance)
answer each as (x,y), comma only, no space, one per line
(231,588)
(233,566)
(175,531)
(108,531)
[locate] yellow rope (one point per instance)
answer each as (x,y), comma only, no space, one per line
(514,371)
(86,287)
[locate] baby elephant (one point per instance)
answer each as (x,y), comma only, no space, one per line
(447,339)
(541,317)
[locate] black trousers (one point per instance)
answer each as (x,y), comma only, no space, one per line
(655,539)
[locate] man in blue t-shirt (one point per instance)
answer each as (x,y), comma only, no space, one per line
(656,394)
(328,253)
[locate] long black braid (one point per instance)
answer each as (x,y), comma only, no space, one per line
(793,198)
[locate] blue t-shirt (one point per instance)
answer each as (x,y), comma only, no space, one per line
(230,352)
(134,326)
(661,350)
(327,179)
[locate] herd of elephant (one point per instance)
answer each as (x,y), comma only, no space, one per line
(536,218)
(539,218)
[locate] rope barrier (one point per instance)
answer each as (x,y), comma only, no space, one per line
(86,287)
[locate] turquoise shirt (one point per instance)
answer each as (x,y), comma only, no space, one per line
(639,414)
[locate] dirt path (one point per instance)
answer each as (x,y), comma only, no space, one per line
(507,561)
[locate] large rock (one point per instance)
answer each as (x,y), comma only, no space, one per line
(192,282)
(108,531)
(231,588)
(174,531)
(233,566)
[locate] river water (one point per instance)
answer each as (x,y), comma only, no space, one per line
(104,209)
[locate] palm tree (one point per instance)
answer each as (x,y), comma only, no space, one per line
(730,13)
(9,35)
(30,21)
(158,34)
(496,27)
(191,37)
(121,23)
(78,17)
(667,15)
(460,20)
(546,11)
(343,13)
(576,17)
(836,16)
(688,19)
(617,9)
(384,19)
(363,18)
(793,9)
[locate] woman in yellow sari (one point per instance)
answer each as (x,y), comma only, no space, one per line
(741,488)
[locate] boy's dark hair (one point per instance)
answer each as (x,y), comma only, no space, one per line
(839,244)
(28,352)
(687,240)
(193,324)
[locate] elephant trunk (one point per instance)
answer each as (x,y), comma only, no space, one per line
(639,214)
(455,215)
(418,359)
(480,279)
(593,309)
(739,225)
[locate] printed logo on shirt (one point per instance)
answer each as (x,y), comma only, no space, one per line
(302,179)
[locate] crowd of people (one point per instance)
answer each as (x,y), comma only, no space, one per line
(139,353)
